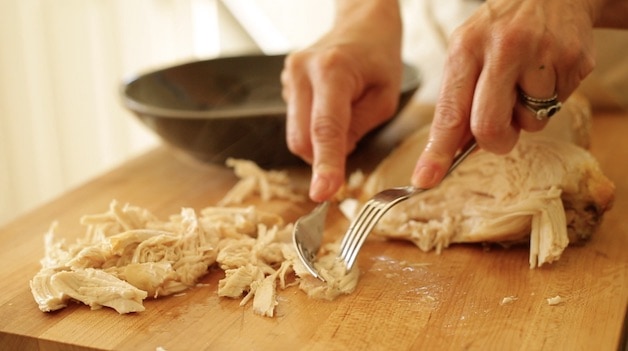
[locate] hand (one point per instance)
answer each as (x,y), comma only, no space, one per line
(342,87)
(535,46)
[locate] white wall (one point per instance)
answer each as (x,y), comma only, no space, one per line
(62,63)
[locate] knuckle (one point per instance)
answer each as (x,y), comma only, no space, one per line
(518,31)
(459,49)
(588,65)
(294,61)
(293,72)
(493,137)
(450,116)
(505,45)
(326,128)
(573,56)
(330,58)
(293,64)
(507,41)
(335,64)
(487,131)
(584,61)
(323,64)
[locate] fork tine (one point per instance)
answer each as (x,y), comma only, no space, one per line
(372,212)
(348,239)
(377,206)
(351,238)
(359,234)
(366,220)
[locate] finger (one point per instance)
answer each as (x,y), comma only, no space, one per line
(538,82)
(451,119)
(375,107)
(297,93)
(331,113)
(495,99)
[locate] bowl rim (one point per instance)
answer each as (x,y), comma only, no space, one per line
(240,112)
(410,82)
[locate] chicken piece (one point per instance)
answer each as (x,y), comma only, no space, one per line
(337,280)
(547,191)
(256,181)
(265,298)
(254,265)
(157,259)
(237,222)
(239,280)
(93,287)
(47,296)
(156,278)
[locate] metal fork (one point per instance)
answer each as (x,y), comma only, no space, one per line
(308,230)
(377,206)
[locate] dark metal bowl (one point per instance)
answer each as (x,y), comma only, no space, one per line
(224,107)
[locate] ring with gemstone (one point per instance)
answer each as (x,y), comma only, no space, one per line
(542,108)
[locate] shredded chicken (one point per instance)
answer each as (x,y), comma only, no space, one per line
(337,280)
(127,254)
(256,181)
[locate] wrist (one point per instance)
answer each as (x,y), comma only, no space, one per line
(377,14)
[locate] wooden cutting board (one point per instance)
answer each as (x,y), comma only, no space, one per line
(406,299)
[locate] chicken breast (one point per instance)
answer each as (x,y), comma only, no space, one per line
(547,191)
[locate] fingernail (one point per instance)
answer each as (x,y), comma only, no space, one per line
(423,177)
(319,187)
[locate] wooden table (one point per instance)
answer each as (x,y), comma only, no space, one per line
(406,299)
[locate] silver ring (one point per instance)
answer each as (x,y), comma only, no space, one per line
(542,108)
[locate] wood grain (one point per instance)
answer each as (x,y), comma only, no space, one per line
(406,299)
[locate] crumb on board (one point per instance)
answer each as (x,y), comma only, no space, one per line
(508,300)
(553,301)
